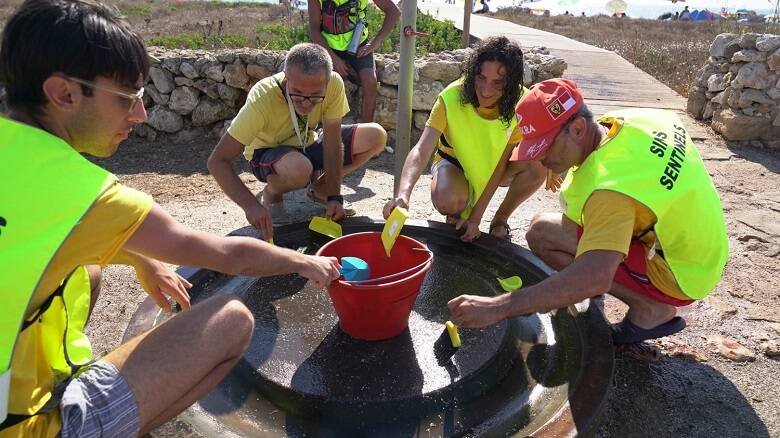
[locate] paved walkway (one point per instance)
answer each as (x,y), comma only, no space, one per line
(608,81)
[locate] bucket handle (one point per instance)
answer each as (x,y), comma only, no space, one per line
(397,274)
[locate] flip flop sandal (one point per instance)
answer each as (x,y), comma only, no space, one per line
(626,332)
(642,352)
(497,224)
(348,210)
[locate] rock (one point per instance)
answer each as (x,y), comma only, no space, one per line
(184,100)
(420,117)
(758,220)
(768,42)
(748,40)
(749,55)
(188,135)
(709,109)
(444,71)
(774,93)
(391,74)
(226,57)
(676,347)
(721,307)
(736,126)
(718,82)
(528,75)
(214,72)
(425,95)
(235,75)
(188,70)
(209,111)
(724,45)
(162,79)
(730,349)
(776,327)
(753,75)
(157,97)
(384,90)
(228,94)
(704,74)
(773,61)
(720,98)
(258,71)
(696,102)
(748,96)
(762,314)
(208,87)
(550,64)
(171,64)
(182,81)
(771,348)
(163,119)
(386,113)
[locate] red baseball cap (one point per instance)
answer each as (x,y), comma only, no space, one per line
(541,113)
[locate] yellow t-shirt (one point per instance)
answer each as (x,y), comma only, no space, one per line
(438,121)
(264,120)
(105,228)
(611,219)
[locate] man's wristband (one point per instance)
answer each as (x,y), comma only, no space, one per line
(338,198)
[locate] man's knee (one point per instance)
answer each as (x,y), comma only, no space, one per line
(538,233)
(294,170)
(236,320)
(374,135)
(448,204)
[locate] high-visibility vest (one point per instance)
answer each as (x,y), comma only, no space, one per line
(48,187)
(653,160)
(478,143)
(338,21)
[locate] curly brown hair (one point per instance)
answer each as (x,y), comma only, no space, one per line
(508,53)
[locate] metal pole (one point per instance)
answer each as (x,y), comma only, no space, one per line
(405,87)
(467,22)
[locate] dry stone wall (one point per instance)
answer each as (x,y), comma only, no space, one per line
(195,94)
(192,94)
(738,90)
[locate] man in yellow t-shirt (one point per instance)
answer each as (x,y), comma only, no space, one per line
(490,88)
(82,93)
(615,248)
(276,131)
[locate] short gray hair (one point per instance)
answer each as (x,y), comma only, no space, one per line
(310,58)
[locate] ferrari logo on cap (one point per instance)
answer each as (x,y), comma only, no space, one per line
(555,109)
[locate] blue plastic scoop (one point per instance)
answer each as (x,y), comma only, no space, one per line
(354,269)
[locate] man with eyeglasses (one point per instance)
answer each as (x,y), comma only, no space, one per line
(64,217)
(276,130)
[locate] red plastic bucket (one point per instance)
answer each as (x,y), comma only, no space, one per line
(378,310)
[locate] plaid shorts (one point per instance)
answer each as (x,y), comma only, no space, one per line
(99,402)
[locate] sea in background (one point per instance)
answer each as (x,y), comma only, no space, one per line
(636,8)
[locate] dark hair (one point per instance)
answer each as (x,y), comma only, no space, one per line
(79,38)
(507,53)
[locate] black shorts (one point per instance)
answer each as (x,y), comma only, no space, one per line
(357,64)
(263,160)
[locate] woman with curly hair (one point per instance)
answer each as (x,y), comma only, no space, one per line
(473,129)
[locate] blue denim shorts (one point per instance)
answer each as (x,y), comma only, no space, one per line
(99,403)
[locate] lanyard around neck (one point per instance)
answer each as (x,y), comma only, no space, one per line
(294,118)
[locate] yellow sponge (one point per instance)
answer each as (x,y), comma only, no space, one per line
(452,329)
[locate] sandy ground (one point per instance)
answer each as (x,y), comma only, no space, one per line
(691,391)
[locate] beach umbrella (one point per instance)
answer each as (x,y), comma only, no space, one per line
(616,6)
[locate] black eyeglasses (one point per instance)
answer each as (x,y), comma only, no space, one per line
(300,98)
(133,98)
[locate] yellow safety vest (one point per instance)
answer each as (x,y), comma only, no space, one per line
(48,187)
(653,160)
(338,21)
(478,143)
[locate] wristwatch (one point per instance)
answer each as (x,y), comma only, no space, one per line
(338,198)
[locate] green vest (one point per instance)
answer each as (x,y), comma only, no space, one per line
(338,20)
(478,143)
(653,160)
(47,189)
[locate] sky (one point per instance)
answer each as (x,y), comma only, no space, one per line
(644,8)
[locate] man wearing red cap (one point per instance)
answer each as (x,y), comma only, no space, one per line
(641,218)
